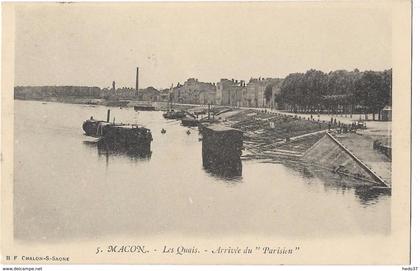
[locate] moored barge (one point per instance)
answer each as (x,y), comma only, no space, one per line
(94,127)
(174,114)
(144,108)
(117,103)
(127,137)
(189,122)
(222,149)
(119,135)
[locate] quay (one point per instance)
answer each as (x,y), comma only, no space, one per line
(361,161)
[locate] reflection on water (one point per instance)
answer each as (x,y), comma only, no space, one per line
(106,150)
(228,170)
(133,152)
(67,189)
(365,193)
(371,195)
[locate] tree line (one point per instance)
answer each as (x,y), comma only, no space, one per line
(340,91)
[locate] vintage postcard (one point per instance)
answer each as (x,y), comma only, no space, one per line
(206,132)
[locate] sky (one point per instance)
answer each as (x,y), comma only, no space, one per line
(93,44)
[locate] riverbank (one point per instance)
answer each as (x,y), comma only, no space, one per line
(271,135)
(275,137)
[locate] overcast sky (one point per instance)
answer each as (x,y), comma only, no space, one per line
(94,44)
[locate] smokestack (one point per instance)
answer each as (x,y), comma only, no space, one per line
(137,79)
(108,115)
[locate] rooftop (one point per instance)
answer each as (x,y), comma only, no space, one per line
(221,128)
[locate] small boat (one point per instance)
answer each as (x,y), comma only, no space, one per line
(163,131)
(144,108)
(171,113)
(189,122)
(117,103)
(174,114)
(94,127)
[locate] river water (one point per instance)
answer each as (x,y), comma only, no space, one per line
(65,188)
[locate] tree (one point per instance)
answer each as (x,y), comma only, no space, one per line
(336,91)
(341,82)
(314,88)
(371,92)
(291,91)
(387,86)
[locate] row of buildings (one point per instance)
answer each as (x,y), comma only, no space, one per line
(42,92)
(258,92)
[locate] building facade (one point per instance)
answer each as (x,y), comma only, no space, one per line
(149,94)
(255,92)
(195,92)
(229,92)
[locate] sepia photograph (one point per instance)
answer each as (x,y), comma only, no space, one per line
(206,132)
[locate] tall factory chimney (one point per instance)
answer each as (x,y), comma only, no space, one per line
(137,81)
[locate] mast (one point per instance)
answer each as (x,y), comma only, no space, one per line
(170,97)
(137,81)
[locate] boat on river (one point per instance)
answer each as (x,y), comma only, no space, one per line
(222,149)
(144,107)
(118,135)
(172,114)
(116,103)
(127,137)
(190,122)
(94,127)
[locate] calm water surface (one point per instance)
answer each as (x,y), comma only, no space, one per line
(65,187)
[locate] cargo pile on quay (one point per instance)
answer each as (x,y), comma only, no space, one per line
(270,135)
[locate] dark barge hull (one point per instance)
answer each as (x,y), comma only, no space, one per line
(119,136)
(135,153)
(94,127)
(117,103)
(127,136)
(142,149)
(144,108)
(222,149)
(221,142)
(174,115)
(189,122)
